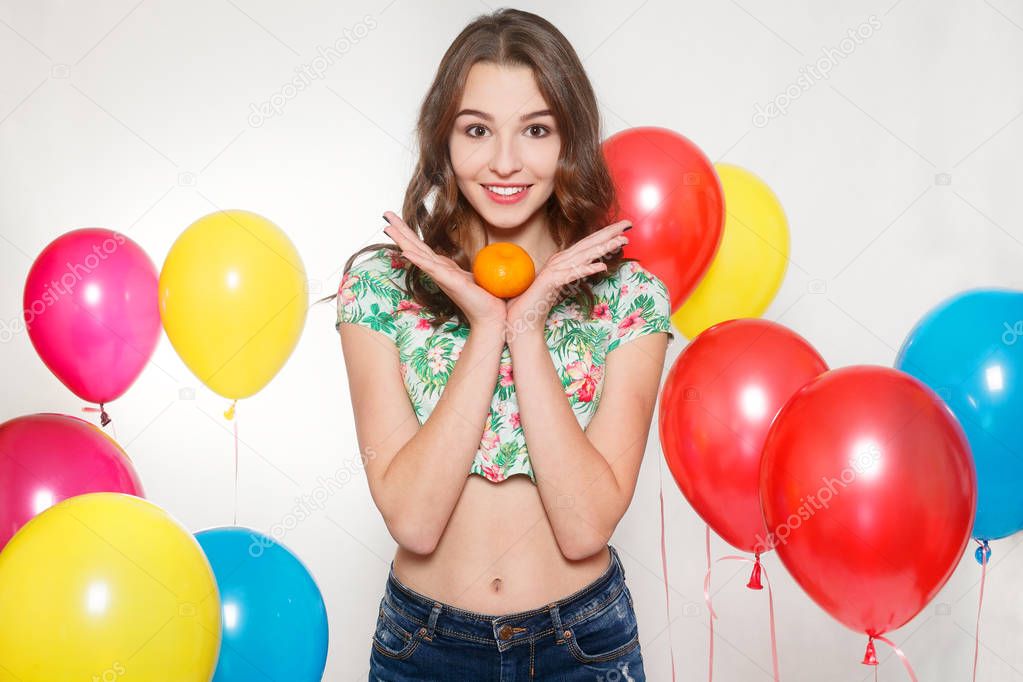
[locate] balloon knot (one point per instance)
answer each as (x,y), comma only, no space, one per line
(983,553)
(870,655)
(104,418)
(754,579)
(230,411)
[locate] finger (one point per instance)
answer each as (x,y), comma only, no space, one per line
(426,261)
(395,236)
(397,230)
(613,230)
(603,233)
(405,235)
(586,269)
(428,265)
(582,265)
(434,266)
(578,270)
(604,248)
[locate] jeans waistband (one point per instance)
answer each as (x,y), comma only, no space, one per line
(508,629)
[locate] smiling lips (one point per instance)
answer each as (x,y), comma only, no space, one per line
(506,194)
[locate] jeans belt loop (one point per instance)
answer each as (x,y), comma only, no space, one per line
(431,626)
(556,619)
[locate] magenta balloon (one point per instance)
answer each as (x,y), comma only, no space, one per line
(92,312)
(46,458)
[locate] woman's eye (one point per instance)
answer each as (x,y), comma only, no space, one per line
(544,131)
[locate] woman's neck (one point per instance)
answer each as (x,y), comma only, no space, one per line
(534,236)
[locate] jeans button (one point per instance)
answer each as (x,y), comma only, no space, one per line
(505,632)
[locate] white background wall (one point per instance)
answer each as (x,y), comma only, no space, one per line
(899,173)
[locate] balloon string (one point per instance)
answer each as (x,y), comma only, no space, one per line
(230,415)
(984,553)
(898,652)
(664,573)
(774,635)
(710,606)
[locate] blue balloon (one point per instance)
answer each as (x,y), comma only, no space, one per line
(969,350)
(275,622)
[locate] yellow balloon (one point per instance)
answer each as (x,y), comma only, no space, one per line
(107,586)
(233,299)
(750,263)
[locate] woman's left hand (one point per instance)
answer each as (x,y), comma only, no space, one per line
(527,312)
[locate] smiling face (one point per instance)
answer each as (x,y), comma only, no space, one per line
(504,146)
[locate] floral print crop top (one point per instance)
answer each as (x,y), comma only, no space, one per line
(628,304)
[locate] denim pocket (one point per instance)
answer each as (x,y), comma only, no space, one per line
(395,636)
(606,634)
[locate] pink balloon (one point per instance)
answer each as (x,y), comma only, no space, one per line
(46,458)
(92,312)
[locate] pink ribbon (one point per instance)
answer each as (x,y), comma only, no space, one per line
(664,573)
(758,569)
(712,616)
(104,418)
(898,652)
(984,553)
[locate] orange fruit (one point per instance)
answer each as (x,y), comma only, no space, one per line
(504,269)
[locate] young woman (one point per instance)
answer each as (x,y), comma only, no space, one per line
(501,487)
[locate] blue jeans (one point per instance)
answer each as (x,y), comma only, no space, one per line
(590,635)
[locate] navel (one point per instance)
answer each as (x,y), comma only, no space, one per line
(496,584)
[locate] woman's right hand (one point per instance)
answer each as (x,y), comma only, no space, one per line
(479,305)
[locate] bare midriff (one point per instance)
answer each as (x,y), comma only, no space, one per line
(498,554)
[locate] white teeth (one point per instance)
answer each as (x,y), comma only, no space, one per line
(505,191)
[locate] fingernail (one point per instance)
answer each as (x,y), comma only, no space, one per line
(385,219)
(627,229)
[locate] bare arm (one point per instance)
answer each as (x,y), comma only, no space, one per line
(587,478)
(416,473)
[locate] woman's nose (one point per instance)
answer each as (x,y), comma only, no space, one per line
(506,158)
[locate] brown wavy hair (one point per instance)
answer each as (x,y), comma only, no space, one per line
(584,195)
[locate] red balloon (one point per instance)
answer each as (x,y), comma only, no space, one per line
(92,313)
(46,458)
(869,490)
(716,408)
(670,191)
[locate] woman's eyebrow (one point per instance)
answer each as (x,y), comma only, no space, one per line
(487,117)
